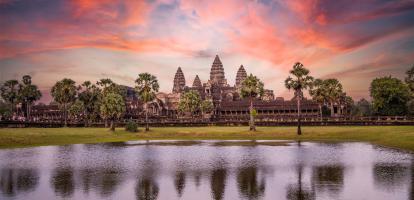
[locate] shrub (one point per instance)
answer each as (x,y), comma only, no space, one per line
(131,126)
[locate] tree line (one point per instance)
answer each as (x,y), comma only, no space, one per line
(106,100)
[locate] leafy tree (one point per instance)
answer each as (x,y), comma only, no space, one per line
(91,96)
(9,92)
(317,93)
(5,111)
(146,87)
(363,108)
(112,108)
(189,102)
(300,81)
(206,106)
(333,92)
(28,94)
(251,88)
(390,96)
(346,102)
(410,78)
(64,93)
(76,110)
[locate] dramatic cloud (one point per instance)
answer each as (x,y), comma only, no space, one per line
(92,39)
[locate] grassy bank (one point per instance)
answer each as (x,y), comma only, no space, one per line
(391,136)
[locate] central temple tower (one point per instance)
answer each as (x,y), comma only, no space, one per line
(217,73)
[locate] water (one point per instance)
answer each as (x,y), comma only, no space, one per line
(206,171)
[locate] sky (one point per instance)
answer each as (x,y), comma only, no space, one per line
(353,41)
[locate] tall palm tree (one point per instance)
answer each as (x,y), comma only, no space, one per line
(64,92)
(300,81)
(318,94)
(251,88)
(333,90)
(9,92)
(147,86)
(28,94)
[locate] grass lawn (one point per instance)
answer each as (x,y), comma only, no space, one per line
(401,137)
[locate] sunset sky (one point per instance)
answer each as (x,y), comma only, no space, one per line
(354,41)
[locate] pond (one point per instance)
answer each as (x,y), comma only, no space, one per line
(207,170)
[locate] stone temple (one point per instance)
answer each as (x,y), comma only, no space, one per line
(228,105)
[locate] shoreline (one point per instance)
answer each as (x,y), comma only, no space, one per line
(399,137)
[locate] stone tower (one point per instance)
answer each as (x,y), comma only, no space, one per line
(179,81)
(197,82)
(241,75)
(217,72)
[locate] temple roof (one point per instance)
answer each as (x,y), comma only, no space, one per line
(197,82)
(179,81)
(241,75)
(217,60)
(217,72)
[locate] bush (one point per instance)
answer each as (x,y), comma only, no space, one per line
(131,126)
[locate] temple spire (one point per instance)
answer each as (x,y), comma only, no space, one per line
(240,76)
(217,72)
(197,82)
(179,81)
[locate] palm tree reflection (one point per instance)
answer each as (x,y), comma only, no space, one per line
(249,185)
(218,183)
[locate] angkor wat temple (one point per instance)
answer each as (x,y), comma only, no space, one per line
(228,105)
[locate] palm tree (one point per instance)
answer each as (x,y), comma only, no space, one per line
(64,93)
(300,81)
(9,93)
(318,94)
(91,97)
(147,86)
(112,107)
(28,94)
(251,88)
(333,92)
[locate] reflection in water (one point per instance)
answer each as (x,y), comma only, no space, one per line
(218,183)
(390,176)
(179,182)
(249,185)
(13,181)
(120,171)
(298,191)
(63,182)
(329,178)
(147,189)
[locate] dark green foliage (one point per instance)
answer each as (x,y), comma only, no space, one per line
(28,94)
(146,87)
(251,88)
(112,108)
(131,126)
(91,97)
(64,93)
(189,102)
(362,108)
(9,93)
(390,96)
(300,81)
(410,78)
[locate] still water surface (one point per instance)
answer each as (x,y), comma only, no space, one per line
(175,170)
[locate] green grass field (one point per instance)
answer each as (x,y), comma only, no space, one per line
(401,137)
